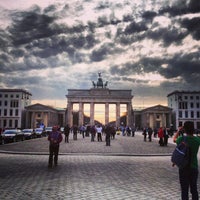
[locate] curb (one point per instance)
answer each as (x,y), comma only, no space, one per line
(85,154)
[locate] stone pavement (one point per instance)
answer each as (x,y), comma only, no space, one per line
(119,172)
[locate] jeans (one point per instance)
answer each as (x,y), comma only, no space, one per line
(53,151)
(188,179)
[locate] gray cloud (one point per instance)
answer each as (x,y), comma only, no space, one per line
(46,38)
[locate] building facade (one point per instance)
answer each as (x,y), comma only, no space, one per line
(186,107)
(156,117)
(12,107)
(38,114)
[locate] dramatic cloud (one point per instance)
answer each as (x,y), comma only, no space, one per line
(150,46)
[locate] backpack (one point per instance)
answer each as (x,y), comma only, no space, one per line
(182,155)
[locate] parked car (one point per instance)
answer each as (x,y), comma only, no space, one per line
(39,132)
(48,130)
(29,133)
(13,135)
(1,139)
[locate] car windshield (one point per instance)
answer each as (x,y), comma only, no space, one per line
(10,132)
(27,130)
(39,129)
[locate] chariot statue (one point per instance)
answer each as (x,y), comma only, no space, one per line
(99,83)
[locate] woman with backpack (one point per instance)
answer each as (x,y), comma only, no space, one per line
(188,176)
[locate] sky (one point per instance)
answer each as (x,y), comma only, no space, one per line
(149,46)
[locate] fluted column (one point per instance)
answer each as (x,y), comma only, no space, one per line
(129,116)
(106,113)
(117,114)
(69,114)
(80,114)
(92,113)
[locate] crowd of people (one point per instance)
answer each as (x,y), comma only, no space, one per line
(187,176)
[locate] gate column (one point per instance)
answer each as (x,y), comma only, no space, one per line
(106,113)
(92,113)
(118,114)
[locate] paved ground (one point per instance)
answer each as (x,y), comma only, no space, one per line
(132,170)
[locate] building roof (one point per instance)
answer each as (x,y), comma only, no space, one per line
(15,90)
(183,92)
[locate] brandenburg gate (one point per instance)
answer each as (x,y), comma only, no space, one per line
(99,94)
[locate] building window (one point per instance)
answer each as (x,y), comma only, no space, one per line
(192,114)
(198,114)
(0,112)
(191,97)
(197,97)
(0,95)
(11,96)
(5,112)
(16,123)
(5,103)
(186,114)
(10,123)
(183,105)
(6,95)
(0,103)
(191,105)
(180,114)
(38,115)
(180,123)
(16,112)
(186,97)
(197,105)
(14,103)
(4,123)
(11,112)
(17,96)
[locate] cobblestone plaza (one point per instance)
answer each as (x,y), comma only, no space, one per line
(129,169)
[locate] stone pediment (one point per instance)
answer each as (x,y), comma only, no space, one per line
(39,107)
(157,108)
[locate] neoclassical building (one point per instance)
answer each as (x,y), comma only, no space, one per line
(99,94)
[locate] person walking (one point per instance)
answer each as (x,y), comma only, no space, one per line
(150,132)
(108,131)
(145,134)
(188,176)
(66,132)
(99,133)
(161,136)
(55,138)
(166,136)
(75,132)
(93,133)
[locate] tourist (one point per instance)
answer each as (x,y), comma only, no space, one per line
(161,136)
(93,133)
(82,131)
(55,138)
(166,136)
(188,176)
(75,132)
(144,134)
(99,133)
(108,131)
(66,132)
(150,132)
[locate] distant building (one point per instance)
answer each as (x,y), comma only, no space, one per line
(155,117)
(12,107)
(38,115)
(186,106)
